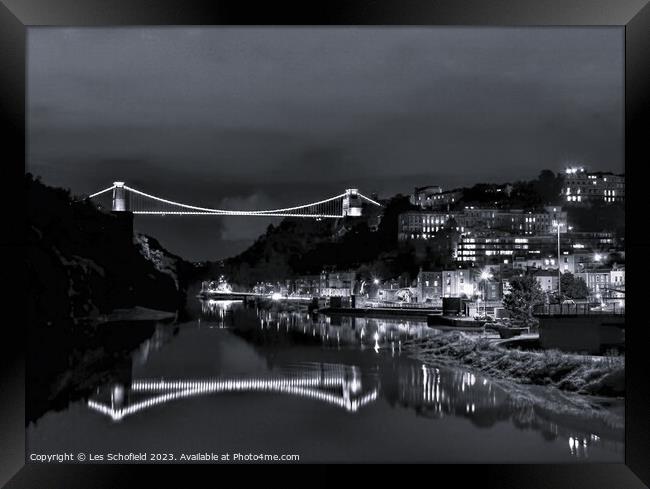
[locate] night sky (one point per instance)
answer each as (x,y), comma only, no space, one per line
(270,117)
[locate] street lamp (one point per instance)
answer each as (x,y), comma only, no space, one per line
(485,276)
(558,225)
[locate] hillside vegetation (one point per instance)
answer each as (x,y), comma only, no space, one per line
(83,262)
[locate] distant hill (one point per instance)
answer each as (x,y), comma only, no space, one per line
(306,246)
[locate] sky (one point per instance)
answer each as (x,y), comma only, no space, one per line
(247,118)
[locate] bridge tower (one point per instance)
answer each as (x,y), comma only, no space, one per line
(120,201)
(120,208)
(352,203)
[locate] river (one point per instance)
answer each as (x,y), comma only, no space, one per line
(246,380)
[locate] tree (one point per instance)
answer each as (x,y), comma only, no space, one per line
(598,216)
(548,186)
(573,287)
(525,293)
(386,234)
(439,249)
(524,194)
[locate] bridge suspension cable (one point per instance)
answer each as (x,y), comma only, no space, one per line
(138,202)
(97,194)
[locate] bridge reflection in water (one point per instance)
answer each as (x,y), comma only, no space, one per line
(335,384)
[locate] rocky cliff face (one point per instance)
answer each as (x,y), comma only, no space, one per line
(162,260)
(83,262)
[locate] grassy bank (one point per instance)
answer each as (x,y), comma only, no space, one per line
(575,373)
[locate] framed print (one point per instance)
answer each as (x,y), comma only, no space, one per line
(355,233)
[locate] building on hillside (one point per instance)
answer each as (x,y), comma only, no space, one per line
(618,276)
(537,263)
(514,221)
(422,196)
(433,197)
(541,250)
(617,282)
(490,290)
(307,285)
(591,242)
(598,282)
(582,187)
(547,280)
(419,225)
(605,283)
(459,282)
(415,225)
(429,286)
(569,262)
(434,285)
(337,284)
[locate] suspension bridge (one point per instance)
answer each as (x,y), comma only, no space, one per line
(127,199)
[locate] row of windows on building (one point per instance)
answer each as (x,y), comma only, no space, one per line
(482,250)
(425,225)
(582,186)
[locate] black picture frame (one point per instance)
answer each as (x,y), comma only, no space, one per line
(16,16)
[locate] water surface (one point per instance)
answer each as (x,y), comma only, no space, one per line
(249,380)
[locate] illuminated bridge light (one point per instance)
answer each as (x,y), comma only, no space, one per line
(138,202)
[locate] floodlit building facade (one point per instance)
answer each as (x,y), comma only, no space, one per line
(583,187)
(433,197)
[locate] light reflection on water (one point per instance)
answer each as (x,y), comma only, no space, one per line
(217,310)
(337,385)
(333,367)
(424,388)
(366,333)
